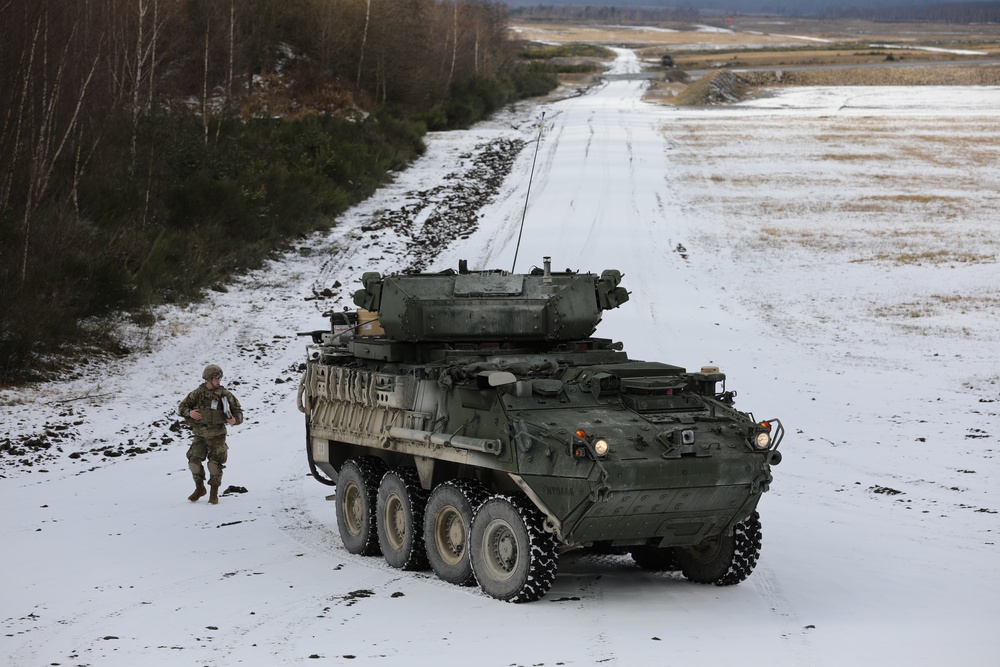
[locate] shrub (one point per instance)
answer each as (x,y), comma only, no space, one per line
(477,98)
(534,80)
(185,215)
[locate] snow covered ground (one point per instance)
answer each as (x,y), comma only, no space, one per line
(835,251)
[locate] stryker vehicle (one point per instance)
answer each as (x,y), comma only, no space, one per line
(470,422)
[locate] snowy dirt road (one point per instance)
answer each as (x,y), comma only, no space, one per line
(837,259)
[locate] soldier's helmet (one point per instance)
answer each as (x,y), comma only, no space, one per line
(212,371)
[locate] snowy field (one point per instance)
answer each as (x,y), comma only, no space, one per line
(835,251)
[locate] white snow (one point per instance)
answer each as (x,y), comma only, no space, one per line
(833,250)
(805,38)
(644,28)
(711,28)
(932,49)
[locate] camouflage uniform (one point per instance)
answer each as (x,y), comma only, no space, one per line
(210,431)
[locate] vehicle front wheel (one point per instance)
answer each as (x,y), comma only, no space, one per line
(447,520)
(400,519)
(357,489)
(513,558)
(723,560)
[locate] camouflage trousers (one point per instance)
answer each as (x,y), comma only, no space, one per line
(214,449)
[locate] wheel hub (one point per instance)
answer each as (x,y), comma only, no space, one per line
(450,535)
(395,521)
(706,550)
(353,509)
(501,549)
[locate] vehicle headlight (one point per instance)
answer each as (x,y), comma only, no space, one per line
(763,440)
(592,446)
(601,447)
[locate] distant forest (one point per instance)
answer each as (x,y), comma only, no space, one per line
(637,11)
(957,12)
(626,14)
(155,147)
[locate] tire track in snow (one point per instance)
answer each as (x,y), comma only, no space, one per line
(795,631)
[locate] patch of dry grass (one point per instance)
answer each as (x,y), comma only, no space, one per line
(928,246)
(927,207)
(940,304)
(817,240)
(857,157)
(933,257)
(176,328)
(655,39)
(931,156)
(917,198)
(939,206)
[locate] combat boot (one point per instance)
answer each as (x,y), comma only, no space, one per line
(199,491)
(213,498)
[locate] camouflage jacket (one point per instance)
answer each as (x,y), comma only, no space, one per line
(211,403)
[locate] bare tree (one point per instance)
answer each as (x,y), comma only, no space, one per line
(50,140)
(204,86)
(154,40)
(142,7)
(364,40)
(232,50)
(16,120)
(454,43)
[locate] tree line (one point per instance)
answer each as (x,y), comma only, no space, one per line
(647,14)
(709,11)
(956,12)
(153,147)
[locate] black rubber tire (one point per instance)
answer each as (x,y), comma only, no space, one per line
(655,559)
(724,560)
(447,523)
(400,519)
(357,490)
(513,558)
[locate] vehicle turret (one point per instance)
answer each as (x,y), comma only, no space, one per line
(490,305)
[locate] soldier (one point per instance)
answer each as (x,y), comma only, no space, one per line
(207,410)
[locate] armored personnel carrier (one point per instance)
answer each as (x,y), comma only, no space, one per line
(472,423)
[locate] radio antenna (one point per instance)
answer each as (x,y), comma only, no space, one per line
(531,175)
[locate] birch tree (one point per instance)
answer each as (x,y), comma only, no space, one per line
(204,85)
(454,43)
(50,138)
(364,41)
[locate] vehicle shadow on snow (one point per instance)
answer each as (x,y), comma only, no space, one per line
(588,575)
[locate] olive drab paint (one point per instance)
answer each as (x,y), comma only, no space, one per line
(490,385)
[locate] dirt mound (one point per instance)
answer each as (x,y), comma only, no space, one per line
(719,87)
